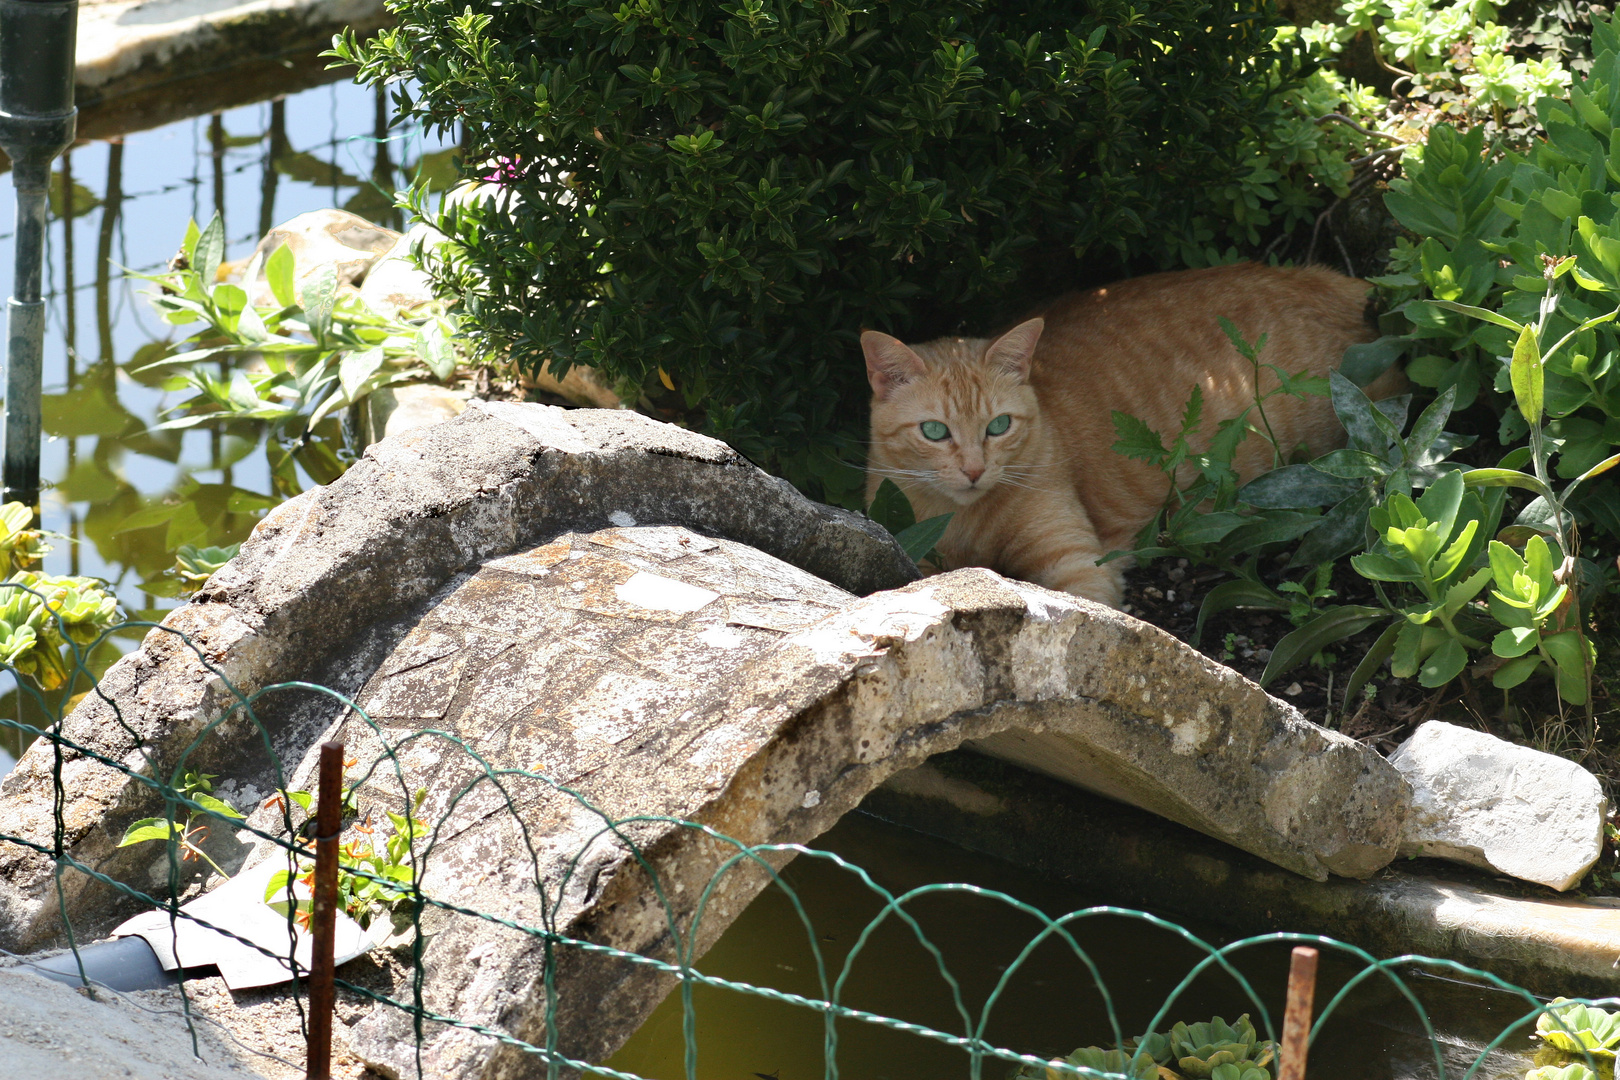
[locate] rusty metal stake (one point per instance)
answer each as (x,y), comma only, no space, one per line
(323,917)
(1296,1032)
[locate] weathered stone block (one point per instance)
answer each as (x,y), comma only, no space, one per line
(1480,800)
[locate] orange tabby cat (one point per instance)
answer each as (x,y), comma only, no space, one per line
(1014,435)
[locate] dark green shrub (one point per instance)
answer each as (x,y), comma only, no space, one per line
(730,192)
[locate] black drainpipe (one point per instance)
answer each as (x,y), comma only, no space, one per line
(37,122)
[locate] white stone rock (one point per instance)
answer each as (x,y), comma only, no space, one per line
(346,242)
(394,287)
(1479,800)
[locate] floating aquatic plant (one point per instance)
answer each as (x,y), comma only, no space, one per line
(1097,1060)
(1575,1027)
(1573,1071)
(1214,1050)
(1200,1049)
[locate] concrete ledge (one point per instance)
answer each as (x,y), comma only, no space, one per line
(136,44)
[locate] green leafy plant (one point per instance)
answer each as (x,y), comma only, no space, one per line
(198,787)
(43,615)
(375,871)
(313,353)
(1429,547)
(1214,1050)
(21,545)
(1452,55)
(1541,621)
(1203,521)
(1305,597)
(1496,232)
(1575,1070)
(891,509)
(197,565)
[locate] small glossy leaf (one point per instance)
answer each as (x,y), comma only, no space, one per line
(1478,313)
(1504,478)
(210,252)
(278,273)
(355,368)
(1296,486)
(1340,532)
(1364,363)
(319,299)
(151,828)
(1431,422)
(1515,671)
(433,347)
(1462,592)
(919,539)
(1351,464)
(1378,567)
(1451,558)
(1443,664)
(1439,504)
(890,508)
(1515,641)
(1527,376)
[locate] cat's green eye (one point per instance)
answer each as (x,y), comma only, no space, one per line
(934,430)
(999,425)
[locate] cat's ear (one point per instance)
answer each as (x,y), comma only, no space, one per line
(1013,351)
(889,363)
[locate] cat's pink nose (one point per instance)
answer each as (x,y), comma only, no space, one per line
(973,474)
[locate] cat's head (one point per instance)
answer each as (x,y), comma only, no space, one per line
(953,415)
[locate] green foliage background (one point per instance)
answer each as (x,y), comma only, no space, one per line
(729,193)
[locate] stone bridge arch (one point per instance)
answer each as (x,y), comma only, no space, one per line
(666,631)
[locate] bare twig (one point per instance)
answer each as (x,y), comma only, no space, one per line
(1369,132)
(1391,68)
(1388,151)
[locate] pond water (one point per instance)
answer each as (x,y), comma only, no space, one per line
(124,203)
(1050,1006)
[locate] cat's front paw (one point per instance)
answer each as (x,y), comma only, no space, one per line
(1103,584)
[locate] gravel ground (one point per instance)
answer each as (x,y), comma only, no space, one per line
(50,1031)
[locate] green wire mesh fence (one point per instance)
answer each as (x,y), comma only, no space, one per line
(384,868)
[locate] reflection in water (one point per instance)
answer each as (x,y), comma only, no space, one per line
(1050,1005)
(127,200)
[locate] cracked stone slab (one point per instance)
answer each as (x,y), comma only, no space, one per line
(331,581)
(768,735)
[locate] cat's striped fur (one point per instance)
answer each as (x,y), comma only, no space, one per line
(1046,498)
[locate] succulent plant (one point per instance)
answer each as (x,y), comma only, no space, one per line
(35,625)
(1095,1058)
(1156,1044)
(1239,1072)
(1199,1049)
(195,565)
(1575,1071)
(1575,1027)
